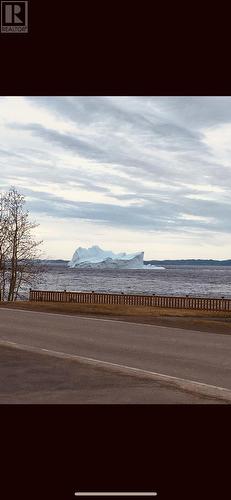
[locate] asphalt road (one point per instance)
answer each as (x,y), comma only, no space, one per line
(190,355)
(28,377)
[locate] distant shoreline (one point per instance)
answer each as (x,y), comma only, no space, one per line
(167,262)
(191,262)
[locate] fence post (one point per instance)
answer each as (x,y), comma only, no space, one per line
(186,302)
(222,303)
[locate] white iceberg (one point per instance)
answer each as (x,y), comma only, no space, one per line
(96,258)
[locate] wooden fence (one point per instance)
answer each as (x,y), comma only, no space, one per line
(199,303)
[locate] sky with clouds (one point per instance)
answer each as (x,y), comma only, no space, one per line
(125,173)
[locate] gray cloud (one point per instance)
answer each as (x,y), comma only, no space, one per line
(112,154)
(196,111)
(139,141)
(110,113)
(158,215)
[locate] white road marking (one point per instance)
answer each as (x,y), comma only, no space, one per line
(115,494)
(191,386)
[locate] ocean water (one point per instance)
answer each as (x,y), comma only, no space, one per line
(210,281)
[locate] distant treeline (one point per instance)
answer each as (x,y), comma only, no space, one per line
(54,261)
(190,262)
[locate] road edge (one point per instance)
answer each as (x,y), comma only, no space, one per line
(191,386)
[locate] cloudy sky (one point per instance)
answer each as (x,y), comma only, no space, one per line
(125,173)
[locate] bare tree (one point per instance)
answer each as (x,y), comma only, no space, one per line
(4,243)
(19,251)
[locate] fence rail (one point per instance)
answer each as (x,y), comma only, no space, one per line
(199,303)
